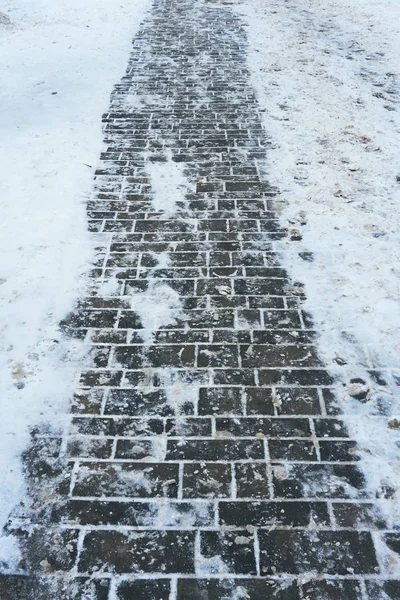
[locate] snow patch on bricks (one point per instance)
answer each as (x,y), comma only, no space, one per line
(60,60)
(158,306)
(169,184)
(178,390)
(327,77)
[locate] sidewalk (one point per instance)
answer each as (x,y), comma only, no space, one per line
(205,458)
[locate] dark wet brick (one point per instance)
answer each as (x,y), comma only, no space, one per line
(281,319)
(331,589)
(48,587)
(292,450)
(138,427)
(318,481)
(100,378)
(131,357)
(233,550)
(383,590)
(137,402)
(188,427)
(392,541)
(265,356)
(144,589)
(303,377)
(338,451)
(214,450)
(134,449)
(137,552)
(269,427)
(253,589)
(259,401)
(276,337)
(131,480)
(84,447)
(206,480)
(89,401)
(218,356)
(92,426)
(50,546)
(332,552)
(297,401)
(262,287)
(234,377)
(331,403)
(358,516)
(129,320)
(330,428)
(181,337)
(231,336)
(91,318)
(268,513)
(108,336)
(251,480)
(95,512)
(219,401)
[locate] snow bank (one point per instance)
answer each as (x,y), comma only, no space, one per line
(60,59)
(327,75)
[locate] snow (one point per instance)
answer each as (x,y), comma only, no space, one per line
(327,77)
(158,306)
(60,60)
(168,183)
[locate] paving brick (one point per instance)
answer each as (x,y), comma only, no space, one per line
(50,550)
(206,480)
(301,377)
(252,480)
(292,450)
(392,541)
(135,449)
(84,447)
(126,479)
(358,516)
(214,450)
(383,590)
(268,427)
(137,402)
(219,401)
(318,481)
(89,401)
(264,356)
(137,552)
(229,552)
(338,451)
(331,589)
(218,356)
(332,428)
(298,401)
(188,427)
(143,589)
(89,512)
(48,587)
(331,552)
(254,589)
(271,514)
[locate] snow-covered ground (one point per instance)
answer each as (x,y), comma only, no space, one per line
(60,59)
(327,73)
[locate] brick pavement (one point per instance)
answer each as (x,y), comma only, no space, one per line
(205,457)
